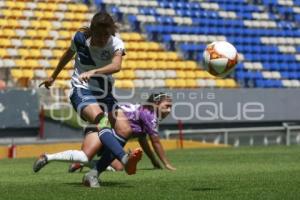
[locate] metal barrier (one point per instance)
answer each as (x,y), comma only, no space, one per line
(286,130)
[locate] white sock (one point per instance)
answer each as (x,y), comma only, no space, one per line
(68,156)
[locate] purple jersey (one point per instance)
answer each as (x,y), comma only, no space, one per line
(141,119)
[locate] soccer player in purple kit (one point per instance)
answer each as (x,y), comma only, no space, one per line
(143,120)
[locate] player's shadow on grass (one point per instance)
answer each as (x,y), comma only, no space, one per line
(104,184)
(204,189)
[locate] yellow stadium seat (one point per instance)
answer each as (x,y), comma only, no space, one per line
(7,13)
(152,65)
(125,64)
(42,6)
(142,46)
(190,74)
(42,24)
(62,44)
(10,4)
(68,25)
(162,65)
(171,83)
(162,55)
(191,83)
(27,42)
(36,23)
(136,37)
(53,63)
(142,65)
(39,14)
(181,83)
(21,63)
(76,25)
(190,65)
(125,36)
(82,7)
(17,14)
(42,33)
(3,22)
(124,84)
(3,53)
(180,74)
(9,32)
(5,42)
(61,83)
(200,74)
(16,73)
(154,46)
(173,56)
(33,63)
(180,65)
(152,55)
(220,83)
(171,65)
(27,73)
(24,52)
(69,16)
(129,74)
(64,74)
(49,72)
(79,17)
(65,34)
(231,83)
(72,7)
(20,5)
(31,33)
(36,53)
(12,23)
(133,55)
(52,6)
(57,53)
(49,15)
(119,75)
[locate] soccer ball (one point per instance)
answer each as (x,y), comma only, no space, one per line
(220,58)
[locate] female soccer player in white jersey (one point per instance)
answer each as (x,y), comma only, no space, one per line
(98,55)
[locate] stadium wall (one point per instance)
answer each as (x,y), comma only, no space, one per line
(19,113)
(205,106)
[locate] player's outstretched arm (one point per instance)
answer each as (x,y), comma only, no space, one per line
(160,151)
(112,68)
(146,148)
(66,57)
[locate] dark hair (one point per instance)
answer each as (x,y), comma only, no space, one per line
(158,97)
(102,23)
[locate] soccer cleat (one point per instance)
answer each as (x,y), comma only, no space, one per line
(133,158)
(40,163)
(75,166)
(90,180)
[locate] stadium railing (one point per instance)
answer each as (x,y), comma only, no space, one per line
(283,134)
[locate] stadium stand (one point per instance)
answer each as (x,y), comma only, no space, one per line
(265,33)
(34,36)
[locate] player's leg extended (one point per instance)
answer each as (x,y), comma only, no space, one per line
(91,145)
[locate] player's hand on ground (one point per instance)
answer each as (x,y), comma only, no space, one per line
(85,76)
(170,167)
(47,83)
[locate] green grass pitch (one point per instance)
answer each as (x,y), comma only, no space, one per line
(244,173)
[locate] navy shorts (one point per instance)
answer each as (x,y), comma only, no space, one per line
(81,97)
